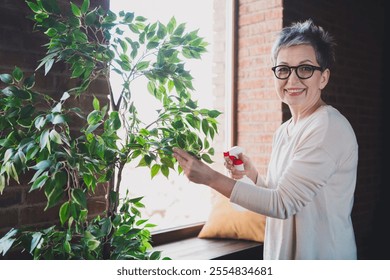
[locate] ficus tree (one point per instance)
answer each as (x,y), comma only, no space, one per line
(37,138)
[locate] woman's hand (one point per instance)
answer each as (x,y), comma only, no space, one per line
(196,171)
(249,167)
(200,173)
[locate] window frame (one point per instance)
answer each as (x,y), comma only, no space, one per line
(192,230)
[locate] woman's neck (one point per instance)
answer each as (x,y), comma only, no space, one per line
(297,114)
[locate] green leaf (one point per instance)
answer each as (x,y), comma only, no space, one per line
(78,71)
(29,82)
(156,255)
(85,6)
(64,212)
(51,6)
(6,78)
(2,184)
(8,154)
(7,241)
(123,45)
(123,229)
(11,171)
(90,18)
(79,197)
(140,18)
(154,170)
(35,241)
(40,122)
(58,119)
(106,226)
(96,103)
(165,170)
(205,126)
(136,199)
(39,183)
(171,25)
(152,45)
(34,7)
(150,225)
(51,32)
(207,158)
(67,247)
(65,96)
(55,137)
(151,87)
(140,222)
(75,10)
(55,195)
(142,65)
(162,31)
(93,244)
(42,165)
(17,74)
(44,140)
(115,120)
(94,117)
(48,65)
(179,30)
(22,94)
(128,18)
(214,113)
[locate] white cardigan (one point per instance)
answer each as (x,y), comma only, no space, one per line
(308,193)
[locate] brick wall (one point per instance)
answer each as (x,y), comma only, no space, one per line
(355,88)
(20,46)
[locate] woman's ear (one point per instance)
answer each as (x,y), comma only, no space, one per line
(324,78)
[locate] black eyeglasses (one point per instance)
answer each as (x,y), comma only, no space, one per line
(304,71)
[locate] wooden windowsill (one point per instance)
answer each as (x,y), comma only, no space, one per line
(210,249)
(183,244)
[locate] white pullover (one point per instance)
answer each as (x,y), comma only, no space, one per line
(308,192)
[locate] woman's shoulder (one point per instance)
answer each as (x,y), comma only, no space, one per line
(332,125)
(334,119)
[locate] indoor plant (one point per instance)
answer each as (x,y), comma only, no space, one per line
(36,135)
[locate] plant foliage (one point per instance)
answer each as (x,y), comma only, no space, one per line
(37,140)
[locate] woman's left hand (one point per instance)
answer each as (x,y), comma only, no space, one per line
(196,171)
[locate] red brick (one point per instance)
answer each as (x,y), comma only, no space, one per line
(9,217)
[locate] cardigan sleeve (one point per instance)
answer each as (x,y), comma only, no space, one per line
(305,176)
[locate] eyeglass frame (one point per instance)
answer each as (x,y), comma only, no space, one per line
(295,68)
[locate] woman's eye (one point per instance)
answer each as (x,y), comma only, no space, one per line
(306,69)
(283,70)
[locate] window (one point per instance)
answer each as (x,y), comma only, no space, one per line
(175,202)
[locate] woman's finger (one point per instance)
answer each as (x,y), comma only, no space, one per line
(181,153)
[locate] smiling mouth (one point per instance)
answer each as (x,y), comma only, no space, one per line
(295,92)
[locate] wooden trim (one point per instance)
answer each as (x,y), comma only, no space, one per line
(234,120)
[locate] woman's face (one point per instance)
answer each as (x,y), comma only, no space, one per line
(300,94)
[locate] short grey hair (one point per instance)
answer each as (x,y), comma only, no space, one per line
(307,33)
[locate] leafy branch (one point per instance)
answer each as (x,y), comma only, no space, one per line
(36,137)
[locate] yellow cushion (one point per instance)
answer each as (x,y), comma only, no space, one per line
(228,220)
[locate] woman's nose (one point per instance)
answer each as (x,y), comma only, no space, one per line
(293,76)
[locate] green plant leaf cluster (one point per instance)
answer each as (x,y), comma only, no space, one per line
(130,239)
(36,140)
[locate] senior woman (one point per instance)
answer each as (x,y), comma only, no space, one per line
(307,193)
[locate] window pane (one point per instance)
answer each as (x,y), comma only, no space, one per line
(176,202)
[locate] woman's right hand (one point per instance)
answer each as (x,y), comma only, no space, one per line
(250,170)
